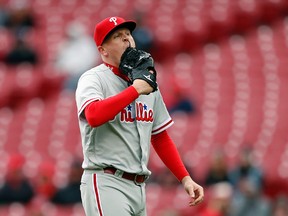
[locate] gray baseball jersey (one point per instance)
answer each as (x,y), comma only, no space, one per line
(123,142)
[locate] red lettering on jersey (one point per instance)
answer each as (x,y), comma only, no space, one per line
(126,116)
(142,112)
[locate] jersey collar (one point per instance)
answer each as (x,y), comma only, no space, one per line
(116,71)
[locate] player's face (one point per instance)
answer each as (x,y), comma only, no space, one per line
(116,44)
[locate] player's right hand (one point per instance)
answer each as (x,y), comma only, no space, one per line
(142,87)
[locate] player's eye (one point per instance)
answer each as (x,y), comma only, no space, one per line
(116,35)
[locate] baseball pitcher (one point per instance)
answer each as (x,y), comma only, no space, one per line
(121,113)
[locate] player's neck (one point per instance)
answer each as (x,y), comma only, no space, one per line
(116,71)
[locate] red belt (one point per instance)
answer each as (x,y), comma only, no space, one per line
(137,179)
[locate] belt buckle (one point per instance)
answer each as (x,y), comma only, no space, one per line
(139,183)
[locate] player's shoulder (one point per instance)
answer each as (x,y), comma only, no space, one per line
(96,70)
(93,72)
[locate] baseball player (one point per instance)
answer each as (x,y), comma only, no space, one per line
(121,112)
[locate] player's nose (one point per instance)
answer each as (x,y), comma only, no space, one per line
(125,39)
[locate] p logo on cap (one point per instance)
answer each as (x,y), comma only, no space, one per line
(108,25)
(113,19)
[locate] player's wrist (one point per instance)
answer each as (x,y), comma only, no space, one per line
(186,179)
(142,87)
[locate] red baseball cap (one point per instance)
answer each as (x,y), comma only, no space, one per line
(106,26)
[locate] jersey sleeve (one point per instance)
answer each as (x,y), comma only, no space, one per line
(89,89)
(162,118)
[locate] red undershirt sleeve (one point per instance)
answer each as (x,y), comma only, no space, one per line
(168,153)
(100,112)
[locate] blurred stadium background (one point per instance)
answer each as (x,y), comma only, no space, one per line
(229,57)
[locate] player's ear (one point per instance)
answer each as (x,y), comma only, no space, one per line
(102,51)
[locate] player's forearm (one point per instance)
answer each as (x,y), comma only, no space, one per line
(168,153)
(100,112)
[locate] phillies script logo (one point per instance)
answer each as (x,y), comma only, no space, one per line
(142,113)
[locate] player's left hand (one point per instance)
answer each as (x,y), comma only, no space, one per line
(138,64)
(194,190)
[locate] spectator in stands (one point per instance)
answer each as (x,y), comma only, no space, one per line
(21,52)
(16,187)
(246,169)
(143,36)
(70,194)
(20,18)
(3,14)
(247,179)
(280,206)
(218,170)
(44,185)
(219,198)
(249,200)
(76,54)
(181,103)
